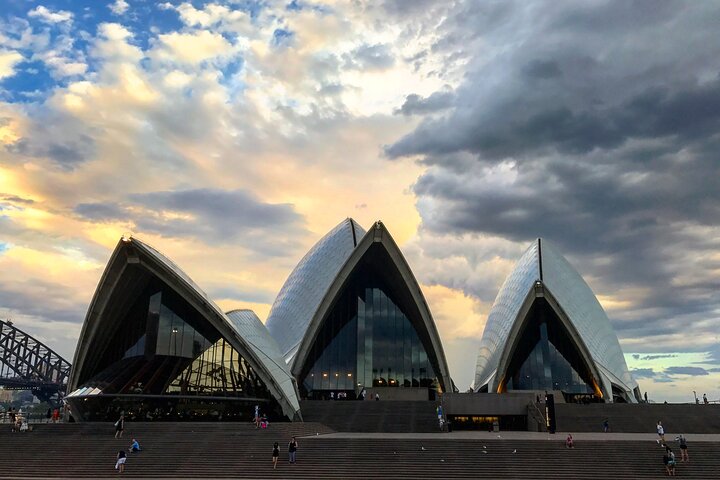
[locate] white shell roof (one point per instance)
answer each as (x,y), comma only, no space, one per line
(306,286)
(575,298)
(252,330)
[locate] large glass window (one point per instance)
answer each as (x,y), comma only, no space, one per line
(546,358)
(165,347)
(367,340)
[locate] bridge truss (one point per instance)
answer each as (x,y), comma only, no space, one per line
(28,364)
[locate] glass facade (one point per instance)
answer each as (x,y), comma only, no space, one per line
(165,349)
(546,358)
(367,340)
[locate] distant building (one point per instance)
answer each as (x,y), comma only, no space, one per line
(352,316)
(547,331)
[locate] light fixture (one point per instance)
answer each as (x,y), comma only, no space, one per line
(349,374)
(337,374)
(324,374)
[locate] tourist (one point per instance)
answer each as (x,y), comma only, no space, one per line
(661,431)
(276,454)
(684,455)
(377,397)
(48,415)
(257,416)
(120,463)
(606,425)
(292,449)
(646,400)
(120,426)
(569,443)
(56,416)
(11,413)
(705,400)
(671,461)
(135,446)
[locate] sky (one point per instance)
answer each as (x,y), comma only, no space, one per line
(232,135)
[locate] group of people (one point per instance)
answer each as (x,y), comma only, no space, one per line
(292,451)
(669,457)
(121,457)
(260,419)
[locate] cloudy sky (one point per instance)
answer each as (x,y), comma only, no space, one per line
(231,135)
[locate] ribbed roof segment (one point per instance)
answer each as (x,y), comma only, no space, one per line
(252,330)
(543,262)
(306,286)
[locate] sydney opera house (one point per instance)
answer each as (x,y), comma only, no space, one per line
(350,318)
(547,331)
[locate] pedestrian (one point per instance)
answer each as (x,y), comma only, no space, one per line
(11,413)
(671,461)
(135,446)
(292,449)
(684,455)
(276,454)
(646,401)
(606,425)
(56,416)
(705,400)
(660,432)
(377,397)
(48,415)
(569,443)
(120,426)
(257,416)
(120,463)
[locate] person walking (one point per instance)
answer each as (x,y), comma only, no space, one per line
(671,461)
(120,463)
(292,449)
(257,416)
(120,426)
(606,425)
(56,416)
(276,454)
(684,455)
(705,399)
(48,415)
(569,443)
(660,432)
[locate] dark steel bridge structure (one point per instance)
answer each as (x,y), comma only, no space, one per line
(28,364)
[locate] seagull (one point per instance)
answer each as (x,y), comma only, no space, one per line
(484,451)
(484,446)
(422,448)
(442,460)
(515,451)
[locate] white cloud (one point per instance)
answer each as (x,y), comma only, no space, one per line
(48,16)
(119,7)
(192,48)
(8,60)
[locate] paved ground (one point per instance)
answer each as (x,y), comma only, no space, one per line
(559,436)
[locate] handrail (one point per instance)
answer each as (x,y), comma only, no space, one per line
(542,417)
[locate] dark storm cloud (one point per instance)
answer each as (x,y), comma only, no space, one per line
(643,373)
(653,357)
(417,105)
(693,371)
(213,216)
(51,301)
(598,128)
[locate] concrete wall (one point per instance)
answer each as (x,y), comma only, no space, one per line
(398,393)
(487,404)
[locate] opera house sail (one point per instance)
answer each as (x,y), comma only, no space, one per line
(352,316)
(547,331)
(155,347)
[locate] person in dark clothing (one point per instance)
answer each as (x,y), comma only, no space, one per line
(684,455)
(120,426)
(48,415)
(276,454)
(292,449)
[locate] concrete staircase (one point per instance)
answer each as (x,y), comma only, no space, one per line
(636,418)
(371,416)
(224,450)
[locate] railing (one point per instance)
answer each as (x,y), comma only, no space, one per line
(537,415)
